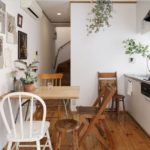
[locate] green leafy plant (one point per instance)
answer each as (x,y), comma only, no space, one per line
(99,16)
(133,47)
(28,70)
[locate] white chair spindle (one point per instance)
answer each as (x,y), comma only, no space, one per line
(21,116)
(31,118)
(44,116)
(12,116)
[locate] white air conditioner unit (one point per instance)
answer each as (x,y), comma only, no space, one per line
(32,8)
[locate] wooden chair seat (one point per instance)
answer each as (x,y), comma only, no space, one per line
(119,97)
(67,125)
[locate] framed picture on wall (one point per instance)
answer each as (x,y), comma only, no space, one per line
(1,45)
(1,52)
(2,17)
(19,20)
(11,29)
(22,45)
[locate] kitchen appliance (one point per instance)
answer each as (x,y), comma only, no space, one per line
(147,18)
(145,89)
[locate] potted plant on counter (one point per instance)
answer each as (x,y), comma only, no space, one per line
(29,76)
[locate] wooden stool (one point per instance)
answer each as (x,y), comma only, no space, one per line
(118,98)
(66,126)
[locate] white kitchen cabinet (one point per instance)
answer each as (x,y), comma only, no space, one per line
(138,105)
(145,121)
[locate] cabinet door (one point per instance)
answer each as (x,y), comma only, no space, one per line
(138,112)
(139,105)
(145,121)
(132,100)
(135,100)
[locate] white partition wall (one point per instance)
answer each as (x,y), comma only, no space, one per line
(102,51)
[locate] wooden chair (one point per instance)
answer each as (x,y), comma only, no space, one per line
(92,119)
(111,79)
(55,80)
(22,130)
(65,126)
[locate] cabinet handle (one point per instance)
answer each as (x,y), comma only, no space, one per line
(146,99)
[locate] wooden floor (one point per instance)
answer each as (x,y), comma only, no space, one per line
(127,135)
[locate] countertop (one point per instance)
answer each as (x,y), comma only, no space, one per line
(140,78)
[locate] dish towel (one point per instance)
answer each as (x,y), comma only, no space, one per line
(129,88)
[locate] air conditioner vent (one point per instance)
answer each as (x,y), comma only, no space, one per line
(32,8)
(33,13)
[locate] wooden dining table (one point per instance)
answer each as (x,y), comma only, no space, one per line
(57,92)
(63,93)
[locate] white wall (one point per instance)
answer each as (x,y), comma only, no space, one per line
(102,52)
(63,36)
(47,47)
(39,39)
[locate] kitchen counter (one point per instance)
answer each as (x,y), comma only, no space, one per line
(141,78)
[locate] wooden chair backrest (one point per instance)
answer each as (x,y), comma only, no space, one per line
(55,78)
(109,78)
(99,98)
(8,114)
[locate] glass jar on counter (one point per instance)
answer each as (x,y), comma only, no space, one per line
(18,85)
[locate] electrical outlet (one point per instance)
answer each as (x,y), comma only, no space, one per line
(131,60)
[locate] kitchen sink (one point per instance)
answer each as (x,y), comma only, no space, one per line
(145,77)
(142,77)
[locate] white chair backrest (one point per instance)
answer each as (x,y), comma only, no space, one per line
(19,98)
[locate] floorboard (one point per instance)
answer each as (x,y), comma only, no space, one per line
(127,135)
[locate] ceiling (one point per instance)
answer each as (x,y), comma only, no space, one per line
(52,7)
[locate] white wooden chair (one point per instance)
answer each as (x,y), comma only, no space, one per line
(21,130)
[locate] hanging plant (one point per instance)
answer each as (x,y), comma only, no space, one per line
(99,16)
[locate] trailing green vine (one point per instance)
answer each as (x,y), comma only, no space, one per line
(99,16)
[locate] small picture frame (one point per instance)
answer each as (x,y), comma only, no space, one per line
(19,20)
(1,52)
(11,29)
(1,46)
(22,45)
(2,17)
